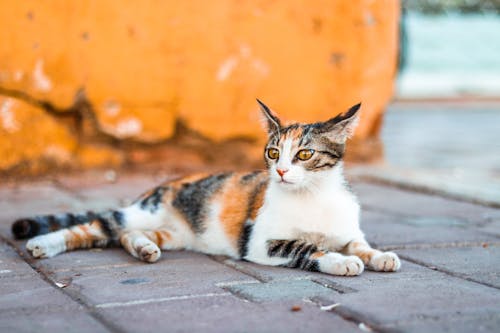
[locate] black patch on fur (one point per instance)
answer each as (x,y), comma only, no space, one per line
(323,166)
(152,201)
(40,225)
(253,197)
(334,155)
(244,238)
(119,218)
(274,247)
(106,226)
(298,251)
(250,176)
(25,228)
(289,128)
(313,266)
(191,198)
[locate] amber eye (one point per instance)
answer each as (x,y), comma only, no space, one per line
(305,154)
(273,153)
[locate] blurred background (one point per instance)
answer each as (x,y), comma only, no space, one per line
(442,131)
(170,86)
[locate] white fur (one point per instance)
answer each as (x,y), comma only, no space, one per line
(214,240)
(385,261)
(327,209)
(337,264)
(46,246)
(140,219)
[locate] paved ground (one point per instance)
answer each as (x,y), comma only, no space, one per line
(449,281)
(451,147)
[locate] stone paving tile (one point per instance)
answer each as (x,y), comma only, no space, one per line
(21,289)
(491,228)
(453,324)
(191,274)
(83,260)
(28,303)
(411,294)
(227,314)
(476,263)
(382,229)
(279,290)
(58,321)
(11,264)
(415,293)
(413,204)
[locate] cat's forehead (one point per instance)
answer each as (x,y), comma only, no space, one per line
(299,134)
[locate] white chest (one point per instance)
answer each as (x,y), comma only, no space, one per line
(332,216)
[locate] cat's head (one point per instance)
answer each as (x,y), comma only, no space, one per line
(299,156)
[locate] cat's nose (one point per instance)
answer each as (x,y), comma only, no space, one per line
(281,172)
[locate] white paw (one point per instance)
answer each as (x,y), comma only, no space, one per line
(385,262)
(46,246)
(337,264)
(149,252)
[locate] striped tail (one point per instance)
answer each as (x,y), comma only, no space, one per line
(110,221)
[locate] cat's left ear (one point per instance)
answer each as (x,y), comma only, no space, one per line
(341,127)
(272,121)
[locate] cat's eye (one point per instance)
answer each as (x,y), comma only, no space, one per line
(273,153)
(305,154)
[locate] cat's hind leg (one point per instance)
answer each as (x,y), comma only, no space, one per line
(374,260)
(147,244)
(307,256)
(86,235)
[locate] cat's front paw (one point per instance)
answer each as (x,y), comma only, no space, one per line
(385,262)
(342,265)
(46,246)
(149,253)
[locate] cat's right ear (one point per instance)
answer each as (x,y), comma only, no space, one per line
(272,121)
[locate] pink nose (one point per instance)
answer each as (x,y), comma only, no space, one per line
(281,172)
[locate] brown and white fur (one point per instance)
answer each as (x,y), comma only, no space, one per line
(297,213)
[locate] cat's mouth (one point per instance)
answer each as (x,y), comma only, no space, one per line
(282,181)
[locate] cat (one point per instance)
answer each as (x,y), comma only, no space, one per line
(298,213)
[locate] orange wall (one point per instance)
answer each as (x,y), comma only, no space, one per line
(145,64)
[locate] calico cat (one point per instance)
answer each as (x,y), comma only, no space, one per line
(298,213)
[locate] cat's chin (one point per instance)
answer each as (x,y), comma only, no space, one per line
(289,186)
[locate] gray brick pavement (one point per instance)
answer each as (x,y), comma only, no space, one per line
(449,280)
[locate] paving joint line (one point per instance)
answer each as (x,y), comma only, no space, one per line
(235,266)
(159,300)
(447,272)
(78,300)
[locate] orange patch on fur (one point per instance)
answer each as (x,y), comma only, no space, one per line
(317,255)
(234,200)
(240,201)
(365,256)
(177,183)
(75,239)
(361,250)
(162,237)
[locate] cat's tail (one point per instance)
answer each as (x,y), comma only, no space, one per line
(110,221)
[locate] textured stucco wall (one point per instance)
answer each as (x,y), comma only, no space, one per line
(79,77)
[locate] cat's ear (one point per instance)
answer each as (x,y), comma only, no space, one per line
(341,127)
(272,121)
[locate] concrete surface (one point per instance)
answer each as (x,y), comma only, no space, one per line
(452,148)
(449,281)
